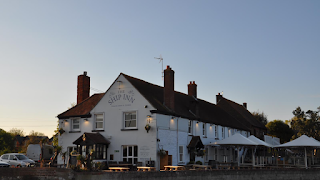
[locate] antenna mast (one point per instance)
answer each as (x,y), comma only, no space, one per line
(161,60)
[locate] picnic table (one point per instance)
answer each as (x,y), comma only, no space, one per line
(201,167)
(142,168)
(174,168)
(119,168)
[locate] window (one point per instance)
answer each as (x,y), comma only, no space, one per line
(130,120)
(222,131)
(216,131)
(99,121)
(204,129)
(130,154)
(190,127)
(180,153)
(75,125)
(5,156)
(101,151)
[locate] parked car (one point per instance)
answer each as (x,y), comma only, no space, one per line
(4,164)
(17,160)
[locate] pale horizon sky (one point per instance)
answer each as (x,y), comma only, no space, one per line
(265,53)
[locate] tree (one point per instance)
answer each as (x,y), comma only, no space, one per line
(16,131)
(278,128)
(306,123)
(260,117)
(6,142)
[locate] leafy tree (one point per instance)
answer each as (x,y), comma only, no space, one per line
(34,133)
(6,142)
(260,116)
(278,128)
(306,123)
(16,131)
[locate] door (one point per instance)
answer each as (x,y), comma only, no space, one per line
(13,160)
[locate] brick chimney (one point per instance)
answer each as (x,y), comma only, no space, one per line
(168,95)
(218,98)
(245,105)
(83,90)
(192,89)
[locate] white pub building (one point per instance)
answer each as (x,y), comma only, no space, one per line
(137,122)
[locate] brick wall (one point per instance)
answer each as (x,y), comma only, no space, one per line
(66,174)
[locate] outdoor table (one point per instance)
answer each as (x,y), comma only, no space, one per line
(174,168)
(140,168)
(204,167)
(119,168)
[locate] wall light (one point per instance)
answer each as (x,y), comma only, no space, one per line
(86,120)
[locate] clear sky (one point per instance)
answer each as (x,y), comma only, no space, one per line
(265,53)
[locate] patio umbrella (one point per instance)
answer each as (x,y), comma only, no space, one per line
(302,141)
(238,140)
(259,141)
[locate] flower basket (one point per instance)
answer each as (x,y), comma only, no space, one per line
(147,128)
(162,153)
(61,131)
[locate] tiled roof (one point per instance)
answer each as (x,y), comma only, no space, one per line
(185,106)
(195,142)
(239,112)
(90,139)
(82,109)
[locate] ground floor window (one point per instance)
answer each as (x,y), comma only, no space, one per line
(180,153)
(100,151)
(130,154)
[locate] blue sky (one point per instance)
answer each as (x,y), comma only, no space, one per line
(265,53)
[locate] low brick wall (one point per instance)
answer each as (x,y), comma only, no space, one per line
(67,174)
(36,174)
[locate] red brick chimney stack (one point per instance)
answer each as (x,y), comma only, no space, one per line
(169,88)
(192,89)
(83,89)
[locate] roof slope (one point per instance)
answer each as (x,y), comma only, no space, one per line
(240,113)
(185,106)
(82,109)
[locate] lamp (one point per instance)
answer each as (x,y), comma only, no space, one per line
(148,118)
(86,120)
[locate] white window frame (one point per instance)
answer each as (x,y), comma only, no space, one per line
(222,132)
(190,127)
(216,134)
(73,123)
(124,120)
(204,129)
(95,121)
(128,156)
(181,153)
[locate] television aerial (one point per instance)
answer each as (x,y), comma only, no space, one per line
(161,60)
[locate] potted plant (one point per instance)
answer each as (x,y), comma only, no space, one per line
(162,153)
(147,127)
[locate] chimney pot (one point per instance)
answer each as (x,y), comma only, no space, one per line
(85,73)
(245,105)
